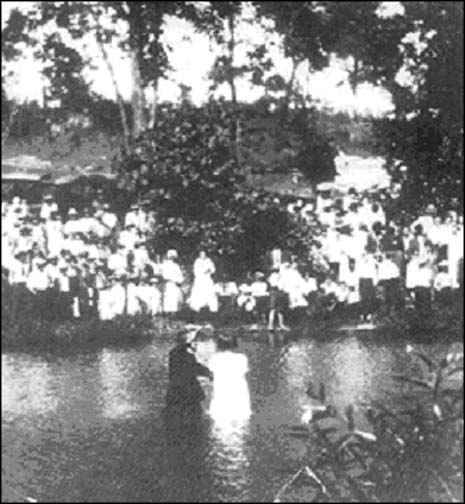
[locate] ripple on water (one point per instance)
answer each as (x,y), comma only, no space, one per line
(90,427)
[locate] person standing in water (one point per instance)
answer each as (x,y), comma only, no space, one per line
(185,394)
(230,402)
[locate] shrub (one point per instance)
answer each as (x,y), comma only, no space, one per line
(413,453)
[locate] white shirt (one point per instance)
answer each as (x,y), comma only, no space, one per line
(38,280)
(110,219)
(442,281)
(47,209)
(387,270)
(259,288)
(117,262)
(63,281)
(72,226)
(128,239)
(366,268)
(18,271)
(424,277)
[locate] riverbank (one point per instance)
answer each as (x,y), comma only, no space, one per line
(126,331)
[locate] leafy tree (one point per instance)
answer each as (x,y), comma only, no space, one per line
(426,133)
(369,39)
(14,36)
(141,39)
(188,172)
(307,37)
(63,66)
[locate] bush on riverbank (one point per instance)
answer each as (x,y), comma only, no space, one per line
(412,453)
(123,330)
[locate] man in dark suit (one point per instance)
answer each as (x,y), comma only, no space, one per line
(185,394)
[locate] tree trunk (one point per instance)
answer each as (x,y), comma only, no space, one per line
(231,47)
(290,84)
(137,99)
(11,116)
(153,106)
(236,140)
(119,97)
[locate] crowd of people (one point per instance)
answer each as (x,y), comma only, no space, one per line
(93,263)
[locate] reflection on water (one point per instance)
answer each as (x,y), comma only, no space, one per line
(91,428)
(117,375)
(27,388)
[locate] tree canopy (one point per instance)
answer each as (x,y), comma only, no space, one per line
(422,39)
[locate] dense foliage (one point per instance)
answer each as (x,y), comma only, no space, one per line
(411,452)
(188,172)
(426,133)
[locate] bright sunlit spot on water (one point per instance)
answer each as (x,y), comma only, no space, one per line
(115,374)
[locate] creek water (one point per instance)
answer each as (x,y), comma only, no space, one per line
(89,426)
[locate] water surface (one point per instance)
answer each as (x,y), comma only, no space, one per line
(89,426)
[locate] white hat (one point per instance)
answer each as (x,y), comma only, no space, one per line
(171,254)
(72,211)
(430,208)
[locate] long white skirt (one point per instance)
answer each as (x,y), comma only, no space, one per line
(203,294)
(172,298)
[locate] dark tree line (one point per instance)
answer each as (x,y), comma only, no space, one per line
(425,133)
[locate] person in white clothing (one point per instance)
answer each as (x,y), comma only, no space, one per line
(49,206)
(129,237)
(19,269)
(278,299)
(389,279)
(230,404)
(72,225)
(117,262)
(132,216)
(173,278)
(109,218)
(203,293)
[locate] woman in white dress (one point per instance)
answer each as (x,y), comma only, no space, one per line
(204,292)
(230,403)
(173,278)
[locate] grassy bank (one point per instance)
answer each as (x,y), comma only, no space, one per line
(127,330)
(122,331)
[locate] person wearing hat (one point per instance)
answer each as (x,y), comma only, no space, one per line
(185,395)
(389,280)
(48,207)
(109,218)
(132,216)
(54,233)
(87,221)
(443,285)
(427,219)
(141,257)
(38,284)
(24,240)
(173,279)
(72,225)
(129,236)
(117,261)
(19,268)
(278,297)
(38,232)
